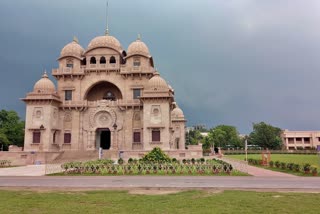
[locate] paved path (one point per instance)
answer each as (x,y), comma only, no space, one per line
(30,170)
(253,170)
(108,182)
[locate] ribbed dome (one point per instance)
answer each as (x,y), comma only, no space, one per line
(177,113)
(72,49)
(157,83)
(105,41)
(138,48)
(44,85)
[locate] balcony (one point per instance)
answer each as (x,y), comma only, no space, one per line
(70,72)
(95,67)
(82,105)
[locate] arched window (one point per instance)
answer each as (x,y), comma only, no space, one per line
(112,60)
(109,96)
(69,63)
(93,60)
(103,60)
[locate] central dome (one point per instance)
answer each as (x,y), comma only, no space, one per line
(105,42)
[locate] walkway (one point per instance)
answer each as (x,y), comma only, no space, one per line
(30,170)
(253,170)
(127,182)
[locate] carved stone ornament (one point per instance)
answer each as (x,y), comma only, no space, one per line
(102,117)
(67,116)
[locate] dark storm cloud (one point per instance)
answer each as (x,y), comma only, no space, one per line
(230,62)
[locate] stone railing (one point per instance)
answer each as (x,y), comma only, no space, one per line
(86,104)
(67,71)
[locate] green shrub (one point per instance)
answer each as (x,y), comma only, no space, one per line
(156,155)
(296,167)
(306,167)
(283,165)
(277,164)
(120,161)
(271,163)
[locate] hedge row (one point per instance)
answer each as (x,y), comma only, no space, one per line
(306,168)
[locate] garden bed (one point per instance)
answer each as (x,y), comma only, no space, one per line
(139,167)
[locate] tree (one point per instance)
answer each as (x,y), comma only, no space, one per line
(266,136)
(224,136)
(193,137)
(11,128)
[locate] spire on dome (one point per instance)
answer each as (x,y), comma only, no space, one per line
(139,37)
(107,29)
(75,39)
(45,74)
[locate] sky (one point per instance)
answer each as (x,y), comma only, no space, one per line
(234,62)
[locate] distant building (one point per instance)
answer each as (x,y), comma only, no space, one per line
(300,139)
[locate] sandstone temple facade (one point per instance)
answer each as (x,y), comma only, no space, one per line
(105,97)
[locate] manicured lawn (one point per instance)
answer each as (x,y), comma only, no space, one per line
(183,202)
(288,158)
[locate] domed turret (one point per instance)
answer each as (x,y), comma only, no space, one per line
(157,83)
(177,113)
(72,49)
(105,41)
(138,48)
(44,85)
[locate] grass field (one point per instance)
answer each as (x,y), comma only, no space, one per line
(288,158)
(184,202)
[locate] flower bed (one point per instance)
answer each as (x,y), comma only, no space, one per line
(140,167)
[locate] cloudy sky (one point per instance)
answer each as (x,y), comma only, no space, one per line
(230,62)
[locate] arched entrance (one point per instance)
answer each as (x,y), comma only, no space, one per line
(104,138)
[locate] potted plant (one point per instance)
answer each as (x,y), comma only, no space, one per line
(271,163)
(314,172)
(306,168)
(120,161)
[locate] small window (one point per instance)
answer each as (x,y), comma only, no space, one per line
(68,95)
(93,60)
(67,138)
(112,60)
(136,93)
(69,65)
(54,137)
(136,62)
(103,60)
(136,137)
(36,137)
(155,135)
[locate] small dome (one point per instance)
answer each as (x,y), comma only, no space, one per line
(138,48)
(44,85)
(177,113)
(157,83)
(72,49)
(105,42)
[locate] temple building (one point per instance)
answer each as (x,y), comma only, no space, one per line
(106,97)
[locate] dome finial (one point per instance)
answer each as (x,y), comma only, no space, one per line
(107,29)
(45,74)
(139,37)
(75,39)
